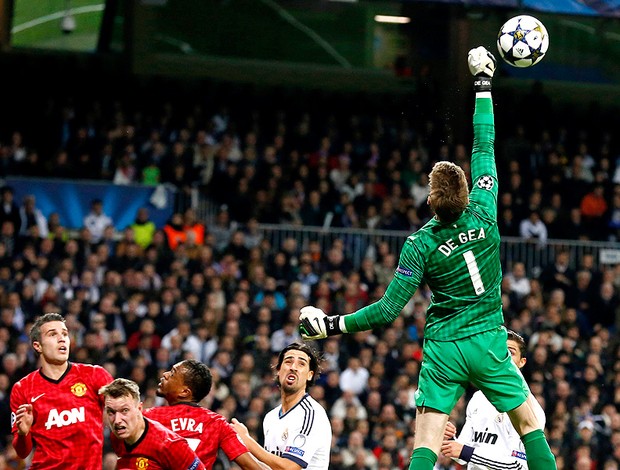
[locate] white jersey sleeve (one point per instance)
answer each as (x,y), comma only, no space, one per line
(303,434)
(493,442)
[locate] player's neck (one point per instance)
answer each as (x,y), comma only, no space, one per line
(138,434)
(54,371)
(289,401)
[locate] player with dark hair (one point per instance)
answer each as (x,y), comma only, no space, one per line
(298,433)
(56,410)
(139,442)
(488,438)
(184,386)
(457,254)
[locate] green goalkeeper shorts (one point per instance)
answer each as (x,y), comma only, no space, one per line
(482,360)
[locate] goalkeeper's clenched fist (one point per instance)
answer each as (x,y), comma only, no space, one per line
(482,66)
(314,324)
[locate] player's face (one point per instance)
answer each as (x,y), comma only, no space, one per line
(55,342)
(294,371)
(124,417)
(515,352)
(171,382)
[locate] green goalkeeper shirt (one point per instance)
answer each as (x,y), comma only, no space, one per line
(459,261)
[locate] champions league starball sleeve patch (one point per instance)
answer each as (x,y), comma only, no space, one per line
(486,182)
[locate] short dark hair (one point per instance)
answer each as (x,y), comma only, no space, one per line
(517,338)
(198,378)
(35,331)
(312,354)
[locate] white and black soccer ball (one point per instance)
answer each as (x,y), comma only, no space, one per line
(522,41)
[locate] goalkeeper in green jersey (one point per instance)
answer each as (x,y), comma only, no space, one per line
(457,255)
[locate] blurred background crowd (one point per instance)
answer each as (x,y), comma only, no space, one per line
(138,299)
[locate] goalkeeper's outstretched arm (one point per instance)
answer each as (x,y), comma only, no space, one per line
(315,324)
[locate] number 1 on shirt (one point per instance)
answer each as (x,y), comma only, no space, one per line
(474,272)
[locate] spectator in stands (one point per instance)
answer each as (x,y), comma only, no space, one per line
(355,377)
(519,282)
(593,208)
(33,222)
(126,170)
(605,308)
(9,211)
(559,274)
(192,224)
(613,219)
(97,220)
(533,229)
(286,335)
(8,239)
(355,450)
(143,228)
(174,231)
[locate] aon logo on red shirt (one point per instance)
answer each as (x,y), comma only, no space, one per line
(64,417)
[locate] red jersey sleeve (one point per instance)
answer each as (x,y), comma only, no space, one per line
(100,377)
(17,398)
(180,456)
(22,444)
(229,440)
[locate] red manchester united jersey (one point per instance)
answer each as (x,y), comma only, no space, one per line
(67,428)
(157,449)
(204,430)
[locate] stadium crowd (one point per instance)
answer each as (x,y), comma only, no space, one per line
(138,299)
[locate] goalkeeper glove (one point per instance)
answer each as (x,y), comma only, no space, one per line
(482,66)
(314,324)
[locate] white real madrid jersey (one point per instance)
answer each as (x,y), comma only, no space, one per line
(303,434)
(496,443)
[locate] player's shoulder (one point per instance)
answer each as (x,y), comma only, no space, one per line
(160,432)
(312,413)
(480,406)
(93,371)
(314,405)
(424,236)
(192,410)
(24,383)
(273,414)
(478,401)
(28,378)
(155,412)
(32,379)
(80,367)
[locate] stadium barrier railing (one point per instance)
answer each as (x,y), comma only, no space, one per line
(359,243)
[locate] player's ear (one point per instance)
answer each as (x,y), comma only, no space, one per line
(36,346)
(310,375)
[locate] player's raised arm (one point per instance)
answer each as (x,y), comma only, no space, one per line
(483,169)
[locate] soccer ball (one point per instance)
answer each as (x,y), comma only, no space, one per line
(522,41)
